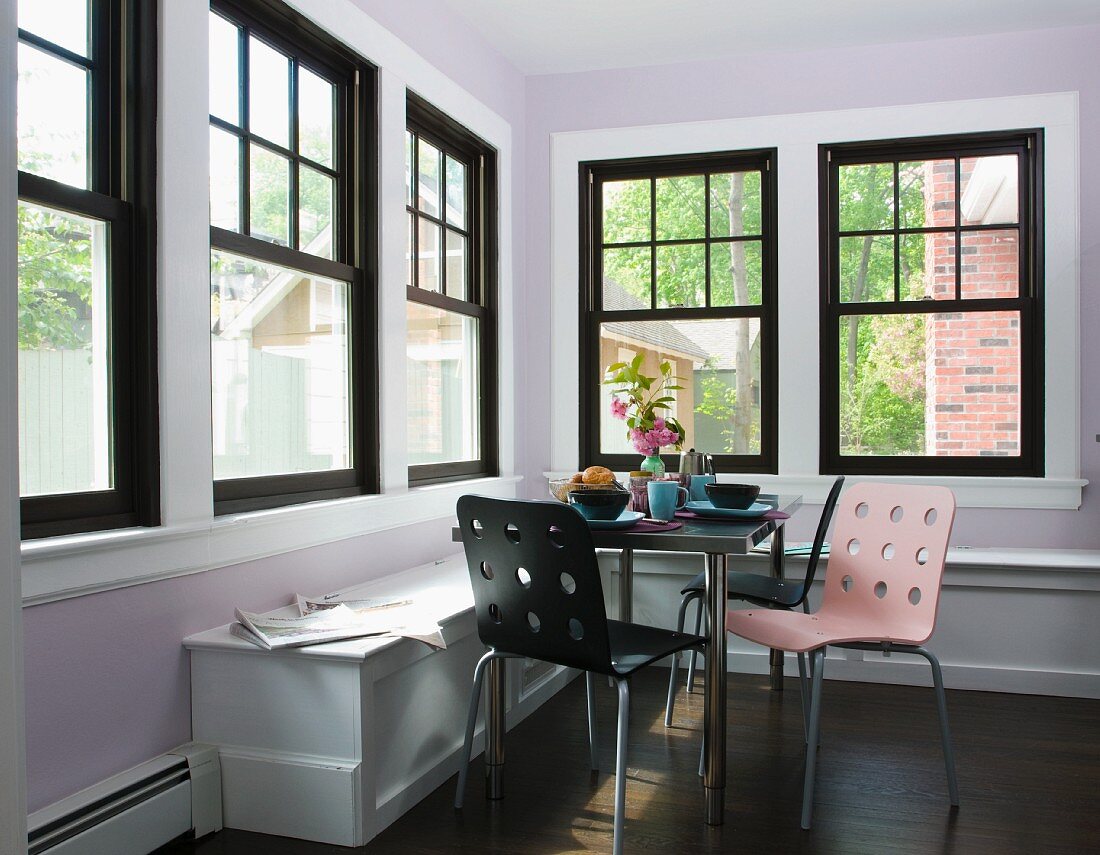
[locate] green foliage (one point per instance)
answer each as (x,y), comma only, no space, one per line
(644,396)
(55,278)
(682,214)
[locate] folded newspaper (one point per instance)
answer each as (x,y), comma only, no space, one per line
(324,620)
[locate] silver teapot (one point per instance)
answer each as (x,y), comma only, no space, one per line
(694,462)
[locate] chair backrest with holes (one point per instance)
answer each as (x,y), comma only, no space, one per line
(827,512)
(887,558)
(537,588)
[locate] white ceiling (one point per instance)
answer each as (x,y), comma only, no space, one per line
(553,36)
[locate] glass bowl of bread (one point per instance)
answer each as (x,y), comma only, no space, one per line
(592,478)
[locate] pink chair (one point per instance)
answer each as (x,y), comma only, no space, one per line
(882,589)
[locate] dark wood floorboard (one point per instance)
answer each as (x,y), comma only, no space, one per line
(1029,780)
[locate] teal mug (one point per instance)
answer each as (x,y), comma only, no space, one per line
(699,487)
(665,498)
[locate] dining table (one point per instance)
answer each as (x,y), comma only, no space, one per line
(716,540)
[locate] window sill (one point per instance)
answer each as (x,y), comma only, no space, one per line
(75,565)
(1019,493)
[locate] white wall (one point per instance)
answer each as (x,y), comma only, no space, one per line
(13,796)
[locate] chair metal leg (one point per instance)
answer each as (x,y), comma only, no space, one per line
(945,732)
(675,669)
(804,689)
(818,659)
(593,740)
(471,721)
(620,766)
(694,657)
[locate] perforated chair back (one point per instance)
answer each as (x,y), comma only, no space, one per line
(536,582)
(887,559)
(819,537)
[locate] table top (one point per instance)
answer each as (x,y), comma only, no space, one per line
(695,535)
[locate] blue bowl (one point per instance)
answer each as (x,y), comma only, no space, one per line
(599,504)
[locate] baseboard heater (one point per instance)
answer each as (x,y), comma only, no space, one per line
(136,811)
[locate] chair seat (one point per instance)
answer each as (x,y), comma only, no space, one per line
(634,646)
(797,632)
(754,587)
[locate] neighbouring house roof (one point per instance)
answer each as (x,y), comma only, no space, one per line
(690,339)
(661,335)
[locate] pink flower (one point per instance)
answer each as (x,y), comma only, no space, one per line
(618,408)
(658,423)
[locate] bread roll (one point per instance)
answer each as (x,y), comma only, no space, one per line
(598,475)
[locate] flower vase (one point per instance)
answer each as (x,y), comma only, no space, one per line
(654,465)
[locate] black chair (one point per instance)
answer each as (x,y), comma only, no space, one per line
(759,590)
(538,595)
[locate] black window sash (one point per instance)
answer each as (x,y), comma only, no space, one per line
(354,238)
(592,314)
(1027,146)
(452,139)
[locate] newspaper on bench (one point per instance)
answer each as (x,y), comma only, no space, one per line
(324,620)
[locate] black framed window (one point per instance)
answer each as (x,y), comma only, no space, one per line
(932,306)
(678,262)
(292,291)
(450,181)
(88,445)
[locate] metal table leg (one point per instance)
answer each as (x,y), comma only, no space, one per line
(775,657)
(714,702)
(626,585)
(494,729)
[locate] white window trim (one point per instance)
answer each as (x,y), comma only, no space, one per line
(796,138)
(191,539)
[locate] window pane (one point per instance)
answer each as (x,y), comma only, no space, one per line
(626,211)
(225,72)
(428,188)
(681,275)
(990,189)
(736,273)
(409,143)
(443,387)
(735,204)
(991,263)
(718,364)
(268,92)
(225,180)
(65,432)
(63,22)
(428,256)
(316,109)
(315,212)
(941,385)
(456,265)
(866,197)
(627,278)
(928,266)
(410,252)
(867,268)
(681,207)
(927,193)
(279,369)
(52,117)
(269,196)
(456,193)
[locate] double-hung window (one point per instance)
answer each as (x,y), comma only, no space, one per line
(678,267)
(292,303)
(86,231)
(932,306)
(450,203)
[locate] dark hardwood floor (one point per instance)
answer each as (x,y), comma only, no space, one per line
(1029,779)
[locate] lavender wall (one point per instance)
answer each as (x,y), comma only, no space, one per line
(107,679)
(882,75)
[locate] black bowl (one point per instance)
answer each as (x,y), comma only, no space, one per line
(599,504)
(732,496)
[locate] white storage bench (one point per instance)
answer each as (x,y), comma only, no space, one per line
(334,742)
